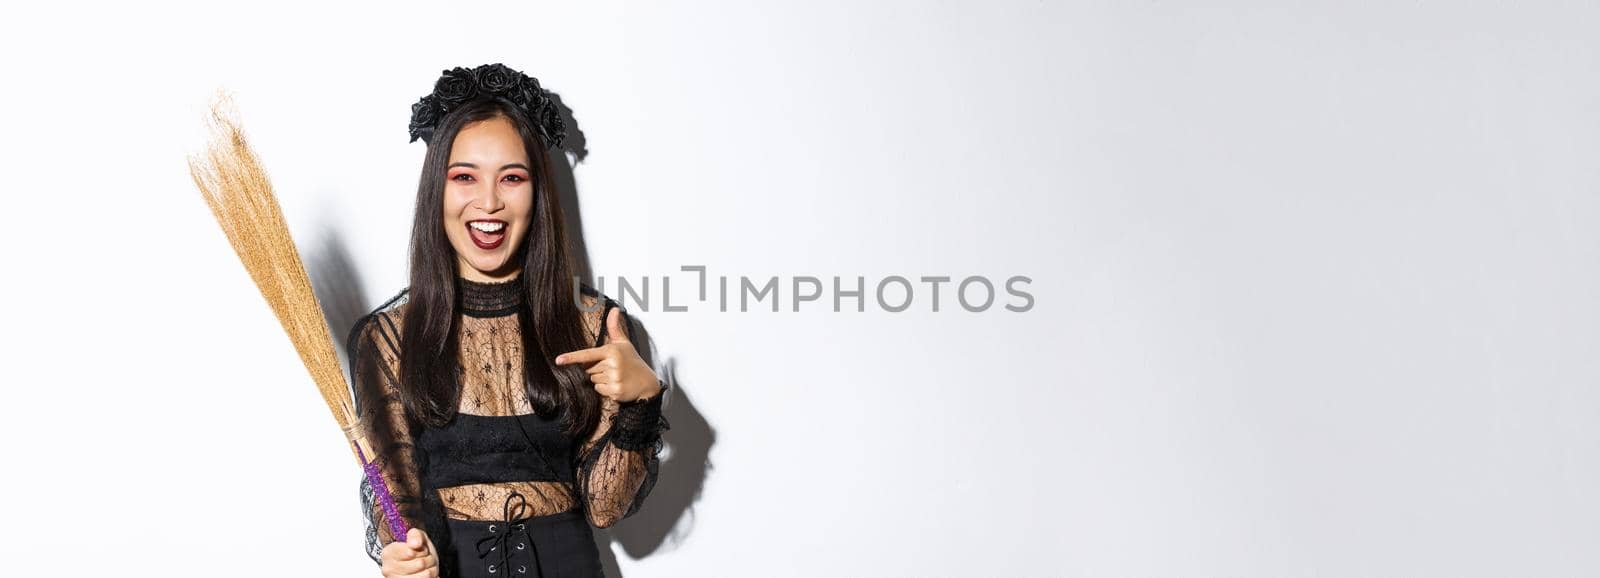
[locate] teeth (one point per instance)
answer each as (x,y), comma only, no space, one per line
(486,227)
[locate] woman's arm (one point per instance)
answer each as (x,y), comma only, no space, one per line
(374,358)
(618,465)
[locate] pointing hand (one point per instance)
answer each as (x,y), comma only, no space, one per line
(615,368)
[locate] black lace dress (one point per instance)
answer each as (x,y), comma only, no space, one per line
(516,495)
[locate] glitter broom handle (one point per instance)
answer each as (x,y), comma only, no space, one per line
(397,525)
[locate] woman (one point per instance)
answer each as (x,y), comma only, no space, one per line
(508,409)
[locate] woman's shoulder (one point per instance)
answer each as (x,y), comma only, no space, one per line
(380,325)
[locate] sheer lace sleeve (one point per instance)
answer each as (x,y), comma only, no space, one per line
(617,466)
(374,355)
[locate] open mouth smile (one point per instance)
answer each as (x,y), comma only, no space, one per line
(487,234)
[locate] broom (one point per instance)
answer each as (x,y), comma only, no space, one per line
(237,189)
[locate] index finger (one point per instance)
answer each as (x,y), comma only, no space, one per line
(590,355)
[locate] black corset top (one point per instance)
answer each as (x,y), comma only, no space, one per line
(476,449)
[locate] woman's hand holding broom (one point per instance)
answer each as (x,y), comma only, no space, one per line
(413,557)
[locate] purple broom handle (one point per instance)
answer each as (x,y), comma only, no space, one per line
(397,526)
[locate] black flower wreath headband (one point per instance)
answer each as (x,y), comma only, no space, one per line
(460,85)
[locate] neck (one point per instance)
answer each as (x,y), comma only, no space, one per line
(489,298)
(465,271)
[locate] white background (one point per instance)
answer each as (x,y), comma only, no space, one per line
(1315,283)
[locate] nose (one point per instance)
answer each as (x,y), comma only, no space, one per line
(489,200)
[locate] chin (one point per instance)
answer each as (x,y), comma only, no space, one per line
(489,265)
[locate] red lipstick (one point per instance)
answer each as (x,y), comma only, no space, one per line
(487,234)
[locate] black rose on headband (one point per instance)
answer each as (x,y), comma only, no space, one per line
(424,116)
(529,92)
(551,117)
(459,85)
(497,79)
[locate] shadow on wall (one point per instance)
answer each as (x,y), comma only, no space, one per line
(685,464)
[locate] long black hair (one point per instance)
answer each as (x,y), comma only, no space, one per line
(550,321)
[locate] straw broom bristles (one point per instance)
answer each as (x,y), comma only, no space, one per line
(236,187)
(230,177)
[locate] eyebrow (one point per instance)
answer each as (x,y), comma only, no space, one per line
(509,166)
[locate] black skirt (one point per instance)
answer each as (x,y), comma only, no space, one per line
(554,546)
